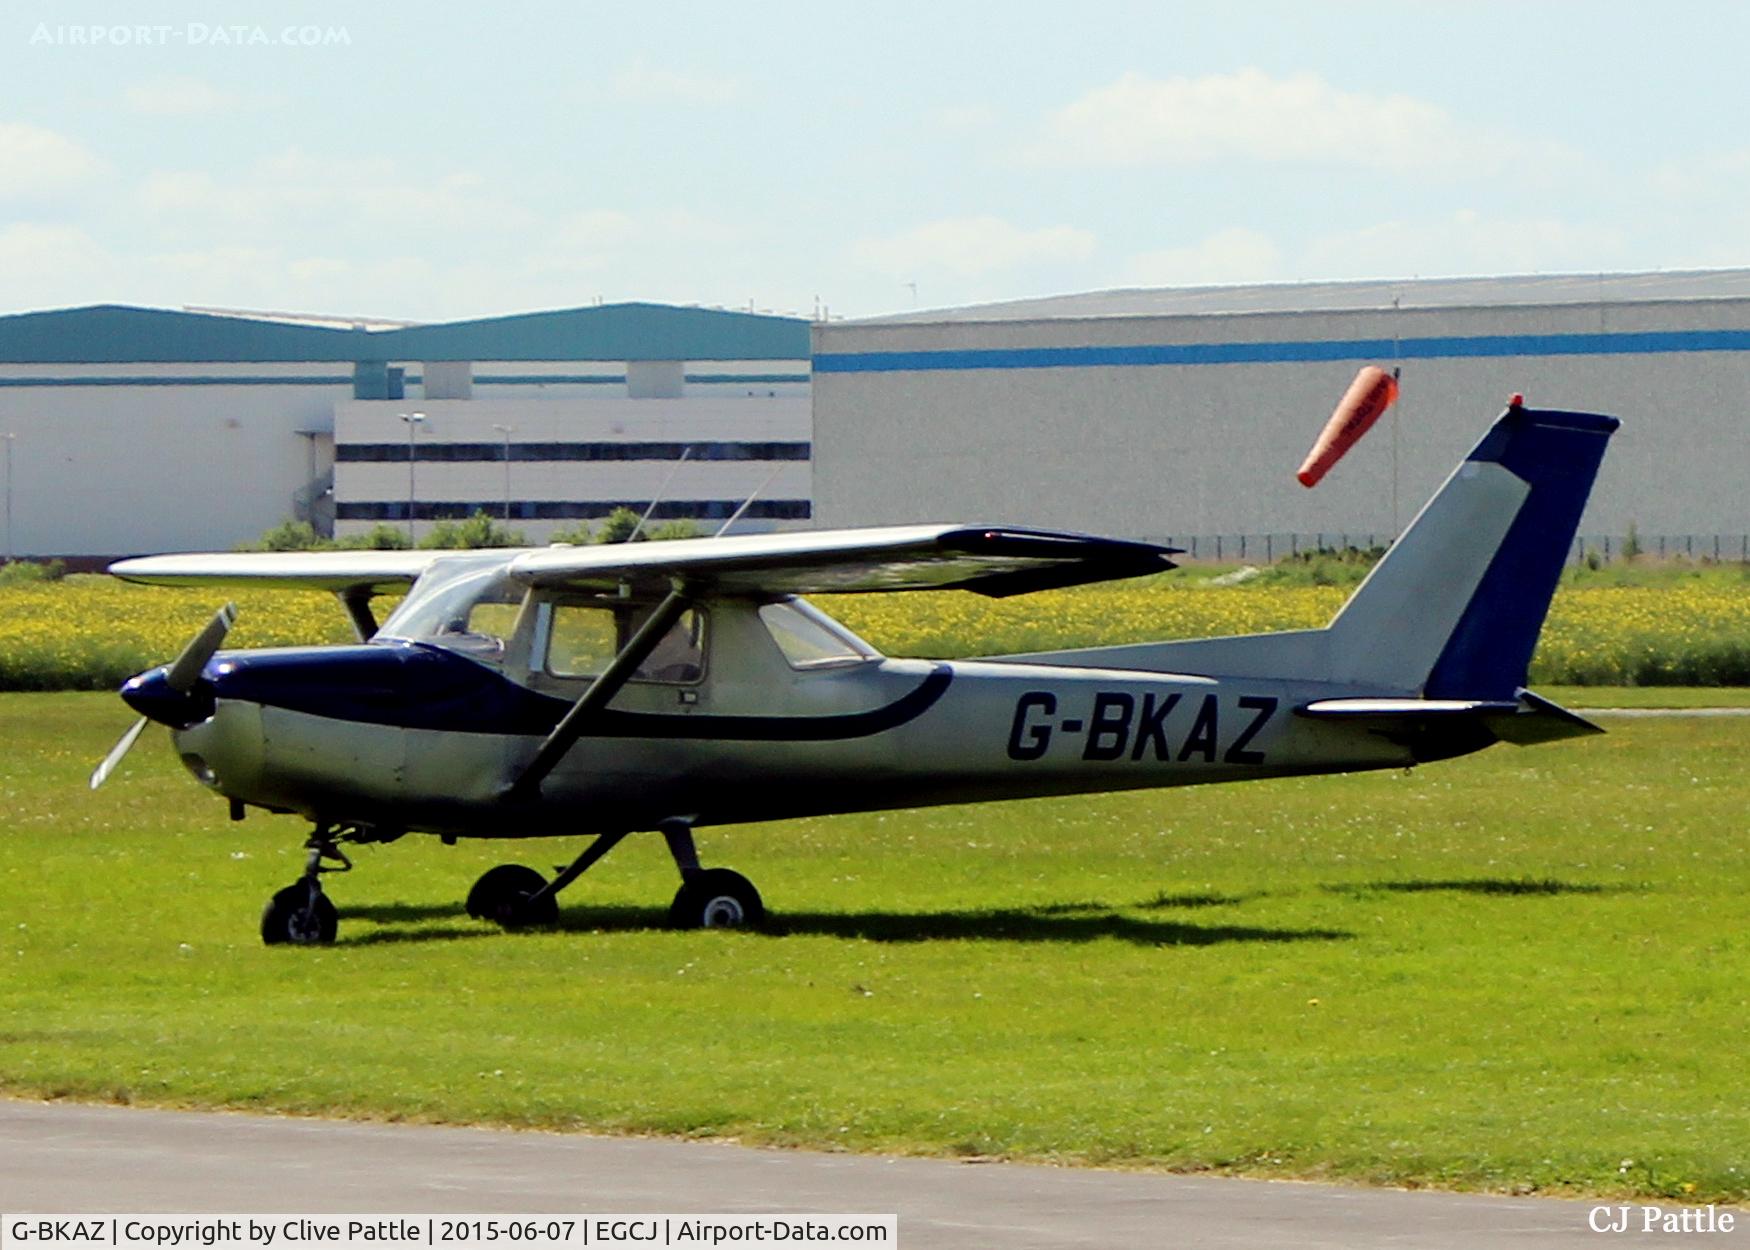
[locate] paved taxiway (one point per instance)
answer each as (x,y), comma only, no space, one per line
(83,1159)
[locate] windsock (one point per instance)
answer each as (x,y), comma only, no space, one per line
(1370,394)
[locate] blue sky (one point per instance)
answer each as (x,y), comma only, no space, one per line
(428,162)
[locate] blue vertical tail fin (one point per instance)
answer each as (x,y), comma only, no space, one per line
(1455,608)
(1558,455)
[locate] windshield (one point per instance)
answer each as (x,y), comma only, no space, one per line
(460,605)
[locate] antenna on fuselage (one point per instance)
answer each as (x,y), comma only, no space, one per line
(660,492)
(736,515)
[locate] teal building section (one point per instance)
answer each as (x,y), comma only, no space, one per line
(117,334)
(607,332)
(120,334)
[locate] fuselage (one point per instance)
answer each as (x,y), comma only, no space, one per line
(402,734)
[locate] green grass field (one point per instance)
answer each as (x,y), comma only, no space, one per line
(1647,696)
(1525,970)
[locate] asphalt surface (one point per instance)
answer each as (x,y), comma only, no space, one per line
(89,1160)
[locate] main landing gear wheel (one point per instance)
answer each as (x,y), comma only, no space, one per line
(503,894)
(716,898)
(299,915)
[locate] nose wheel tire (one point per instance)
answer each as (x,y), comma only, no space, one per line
(716,898)
(503,894)
(299,916)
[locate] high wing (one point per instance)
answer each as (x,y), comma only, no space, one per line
(991,561)
(371,572)
(987,560)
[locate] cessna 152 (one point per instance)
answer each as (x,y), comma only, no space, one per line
(603,690)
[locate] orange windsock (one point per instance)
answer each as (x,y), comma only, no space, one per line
(1370,394)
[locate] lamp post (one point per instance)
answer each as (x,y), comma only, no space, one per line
(8,438)
(507,431)
(413,420)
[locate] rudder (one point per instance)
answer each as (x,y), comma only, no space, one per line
(1455,608)
(1558,454)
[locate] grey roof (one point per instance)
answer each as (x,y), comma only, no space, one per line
(1284,297)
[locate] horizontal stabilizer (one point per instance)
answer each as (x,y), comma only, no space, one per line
(1540,720)
(1524,721)
(1401,709)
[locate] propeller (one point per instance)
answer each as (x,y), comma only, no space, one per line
(180,675)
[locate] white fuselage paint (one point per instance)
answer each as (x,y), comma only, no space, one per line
(998,730)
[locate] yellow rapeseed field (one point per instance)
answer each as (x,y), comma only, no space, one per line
(1690,634)
(92,632)
(86,633)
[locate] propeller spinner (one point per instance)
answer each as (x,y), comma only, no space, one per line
(163,692)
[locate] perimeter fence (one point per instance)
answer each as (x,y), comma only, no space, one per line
(1596,548)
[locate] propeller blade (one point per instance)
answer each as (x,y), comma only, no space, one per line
(120,749)
(180,675)
(185,670)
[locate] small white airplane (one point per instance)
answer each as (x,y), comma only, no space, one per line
(603,690)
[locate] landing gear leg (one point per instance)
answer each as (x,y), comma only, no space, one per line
(709,898)
(301,914)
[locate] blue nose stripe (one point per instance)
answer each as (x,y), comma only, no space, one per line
(150,695)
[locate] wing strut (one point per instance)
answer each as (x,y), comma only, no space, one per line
(613,678)
(357,602)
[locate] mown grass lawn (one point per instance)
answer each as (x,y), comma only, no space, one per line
(1523,970)
(1647,696)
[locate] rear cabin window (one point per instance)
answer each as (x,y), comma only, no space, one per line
(583,638)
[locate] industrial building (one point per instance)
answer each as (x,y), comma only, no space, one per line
(129,430)
(1166,414)
(1183,414)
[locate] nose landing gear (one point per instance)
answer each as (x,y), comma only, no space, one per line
(301,914)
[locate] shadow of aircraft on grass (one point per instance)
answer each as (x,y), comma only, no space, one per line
(1068,923)
(1071,922)
(400,913)
(1479,885)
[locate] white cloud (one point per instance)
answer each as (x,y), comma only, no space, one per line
(174,96)
(964,118)
(1465,242)
(1228,256)
(645,83)
(656,255)
(972,247)
(296,190)
(1250,115)
(48,264)
(34,161)
(1704,175)
(597,240)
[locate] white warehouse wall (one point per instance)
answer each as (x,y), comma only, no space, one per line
(153,465)
(702,415)
(1174,450)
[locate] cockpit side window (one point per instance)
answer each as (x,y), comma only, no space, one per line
(584,637)
(811,639)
